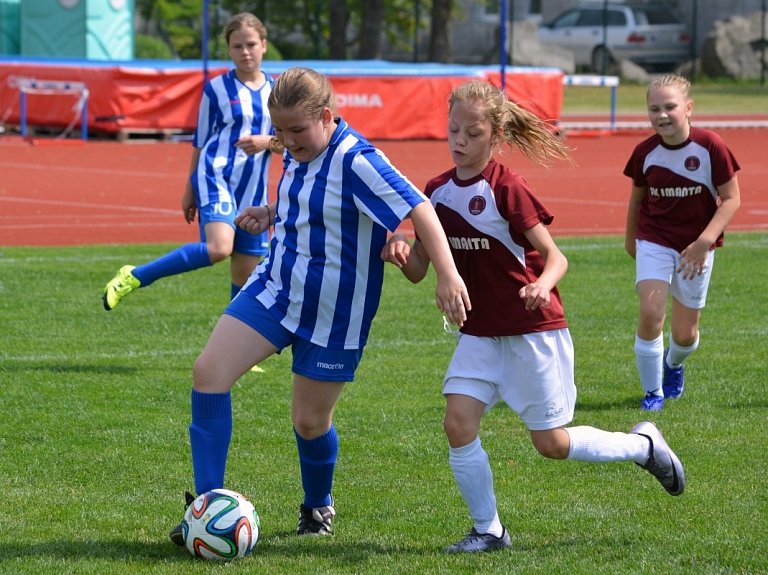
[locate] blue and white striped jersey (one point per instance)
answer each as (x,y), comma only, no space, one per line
(230,110)
(323,276)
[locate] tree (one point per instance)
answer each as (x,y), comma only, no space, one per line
(337,40)
(370,29)
(440,35)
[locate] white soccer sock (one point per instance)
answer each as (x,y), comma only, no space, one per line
(597,446)
(648,355)
(473,475)
(677,355)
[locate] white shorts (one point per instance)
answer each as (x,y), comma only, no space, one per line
(532,374)
(655,262)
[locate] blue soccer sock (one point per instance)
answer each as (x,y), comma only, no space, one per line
(317,459)
(209,436)
(187,258)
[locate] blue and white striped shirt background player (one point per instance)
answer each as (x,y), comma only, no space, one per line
(225,174)
(229,165)
(322,279)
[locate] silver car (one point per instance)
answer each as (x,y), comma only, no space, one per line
(650,34)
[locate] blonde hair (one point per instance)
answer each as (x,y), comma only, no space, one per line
(513,125)
(243,20)
(304,89)
(671,81)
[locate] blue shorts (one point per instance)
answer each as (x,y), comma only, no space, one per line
(245,243)
(309,359)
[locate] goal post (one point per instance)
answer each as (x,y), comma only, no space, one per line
(50,88)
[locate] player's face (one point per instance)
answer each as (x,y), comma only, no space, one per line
(304,137)
(246,48)
(470,139)
(669,111)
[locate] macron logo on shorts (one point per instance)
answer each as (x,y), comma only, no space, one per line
(332,366)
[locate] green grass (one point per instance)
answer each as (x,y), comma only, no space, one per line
(94,453)
(708,98)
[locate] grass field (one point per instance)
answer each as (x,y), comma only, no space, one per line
(94,454)
(708,98)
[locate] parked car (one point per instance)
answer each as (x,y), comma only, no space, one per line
(650,34)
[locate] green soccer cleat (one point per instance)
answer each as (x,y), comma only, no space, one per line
(119,287)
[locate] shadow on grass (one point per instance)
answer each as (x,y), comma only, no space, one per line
(608,404)
(105,369)
(286,545)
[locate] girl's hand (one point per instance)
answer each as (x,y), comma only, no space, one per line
(396,250)
(693,259)
(254,219)
(453,300)
(188,206)
(535,296)
(250,145)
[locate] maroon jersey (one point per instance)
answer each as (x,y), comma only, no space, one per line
(682,185)
(484,219)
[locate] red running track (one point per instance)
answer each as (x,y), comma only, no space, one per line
(121,193)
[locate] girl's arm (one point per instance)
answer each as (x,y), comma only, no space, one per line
(413,261)
(536,294)
(253,144)
(451,293)
(693,257)
(634,206)
(188,206)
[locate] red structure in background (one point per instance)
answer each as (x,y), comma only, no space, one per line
(383,101)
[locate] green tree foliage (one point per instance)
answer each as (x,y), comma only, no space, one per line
(297,29)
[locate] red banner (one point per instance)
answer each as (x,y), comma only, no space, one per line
(379,107)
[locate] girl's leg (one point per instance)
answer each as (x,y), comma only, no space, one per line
(312,405)
(217,247)
(231,350)
(469,462)
(649,343)
(240,268)
(684,336)
(644,445)
(584,443)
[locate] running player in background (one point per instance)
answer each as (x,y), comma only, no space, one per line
(684,194)
(515,345)
(233,144)
(318,289)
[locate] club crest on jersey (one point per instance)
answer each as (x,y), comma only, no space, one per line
(692,163)
(287,173)
(476,205)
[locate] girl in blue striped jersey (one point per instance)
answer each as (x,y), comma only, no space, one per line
(318,289)
(233,144)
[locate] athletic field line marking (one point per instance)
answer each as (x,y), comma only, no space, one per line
(77,260)
(90,205)
(87,170)
(563,245)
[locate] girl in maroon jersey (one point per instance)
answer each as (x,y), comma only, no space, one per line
(684,194)
(515,345)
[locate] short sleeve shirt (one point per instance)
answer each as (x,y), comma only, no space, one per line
(323,276)
(230,110)
(682,183)
(484,219)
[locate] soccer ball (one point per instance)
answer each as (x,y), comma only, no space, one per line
(221,525)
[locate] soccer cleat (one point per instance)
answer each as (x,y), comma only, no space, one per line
(673,382)
(475,542)
(315,521)
(662,462)
(652,402)
(119,287)
(177,533)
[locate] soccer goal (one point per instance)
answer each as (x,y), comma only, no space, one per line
(52,88)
